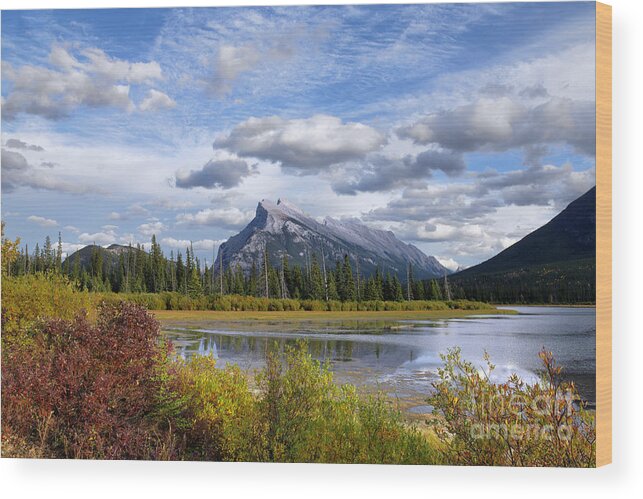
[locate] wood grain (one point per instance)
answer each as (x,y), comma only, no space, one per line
(603,234)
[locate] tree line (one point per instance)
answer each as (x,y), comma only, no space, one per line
(131,269)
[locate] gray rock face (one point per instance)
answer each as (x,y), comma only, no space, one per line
(283,229)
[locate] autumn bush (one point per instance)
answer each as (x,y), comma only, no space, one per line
(511,423)
(83,390)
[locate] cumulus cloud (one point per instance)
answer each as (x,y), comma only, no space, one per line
(302,146)
(229,218)
(156,100)
(100,238)
(224,173)
(500,124)
(89,78)
(19,144)
(151,228)
(381,173)
(42,221)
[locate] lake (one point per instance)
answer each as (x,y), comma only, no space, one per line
(401,357)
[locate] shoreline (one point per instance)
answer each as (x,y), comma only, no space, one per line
(169,316)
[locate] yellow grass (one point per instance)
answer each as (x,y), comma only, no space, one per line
(171,316)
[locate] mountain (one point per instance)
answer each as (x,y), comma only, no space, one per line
(555,263)
(283,229)
(110,255)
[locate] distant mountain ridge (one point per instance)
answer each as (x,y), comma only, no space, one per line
(283,229)
(555,263)
(110,254)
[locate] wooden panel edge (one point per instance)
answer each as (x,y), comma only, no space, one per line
(603,234)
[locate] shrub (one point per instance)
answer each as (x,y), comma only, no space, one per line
(88,391)
(308,418)
(31,298)
(511,423)
(220,416)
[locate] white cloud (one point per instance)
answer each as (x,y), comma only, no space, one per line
(69,248)
(90,78)
(230,62)
(200,245)
(305,146)
(152,228)
(448,262)
(229,218)
(156,100)
(100,238)
(42,221)
(500,124)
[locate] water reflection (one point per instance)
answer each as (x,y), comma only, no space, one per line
(403,357)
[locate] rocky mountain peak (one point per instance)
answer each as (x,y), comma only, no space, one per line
(282,229)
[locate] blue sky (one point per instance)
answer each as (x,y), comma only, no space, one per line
(460,127)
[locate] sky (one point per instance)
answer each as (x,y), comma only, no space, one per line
(460,127)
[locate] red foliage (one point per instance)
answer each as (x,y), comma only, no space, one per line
(87,391)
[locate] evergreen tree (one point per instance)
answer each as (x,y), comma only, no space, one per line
(317,291)
(332,287)
(396,289)
(180,274)
(59,254)
(239,281)
(436,294)
(252,279)
(347,290)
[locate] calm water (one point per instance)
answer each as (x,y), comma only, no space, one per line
(401,357)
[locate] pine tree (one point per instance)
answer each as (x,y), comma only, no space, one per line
(347,290)
(252,279)
(436,294)
(396,289)
(59,254)
(47,254)
(297,285)
(332,287)
(317,291)
(180,273)
(371,292)
(239,281)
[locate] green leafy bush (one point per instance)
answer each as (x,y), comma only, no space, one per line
(308,418)
(28,299)
(298,414)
